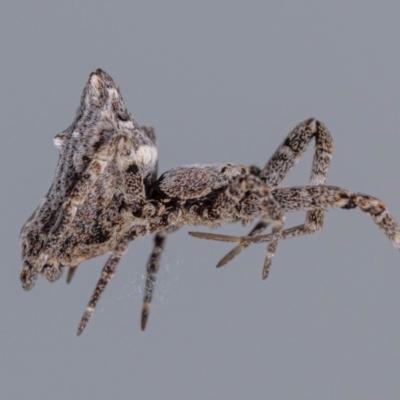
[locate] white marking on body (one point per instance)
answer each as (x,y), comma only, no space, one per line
(140,222)
(127,124)
(313,125)
(58,141)
(146,157)
(94,80)
(113,93)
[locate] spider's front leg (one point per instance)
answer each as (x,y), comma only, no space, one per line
(309,198)
(324,197)
(279,166)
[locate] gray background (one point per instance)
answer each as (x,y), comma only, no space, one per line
(220,81)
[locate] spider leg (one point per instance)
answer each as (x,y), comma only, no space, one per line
(109,269)
(280,164)
(70,274)
(276,214)
(310,198)
(261,225)
(246,198)
(325,197)
(153,265)
(107,273)
(247,240)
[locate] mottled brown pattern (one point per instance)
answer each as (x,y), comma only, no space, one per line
(106,193)
(87,209)
(308,198)
(193,181)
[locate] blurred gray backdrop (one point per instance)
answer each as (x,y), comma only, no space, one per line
(220,81)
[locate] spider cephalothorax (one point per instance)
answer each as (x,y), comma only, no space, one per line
(106,193)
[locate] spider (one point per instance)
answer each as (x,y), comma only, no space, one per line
(106,193)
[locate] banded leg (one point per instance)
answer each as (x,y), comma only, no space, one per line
(109,269)
(153,265)
(107,273)
(325,197)
(280,164)
(277,216)
(309,198)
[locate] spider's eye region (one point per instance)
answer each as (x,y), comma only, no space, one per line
(243,171)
